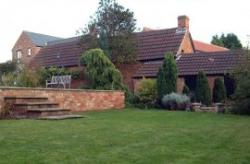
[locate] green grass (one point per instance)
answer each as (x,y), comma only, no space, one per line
(128,136)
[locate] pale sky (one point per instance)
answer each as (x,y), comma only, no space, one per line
(63,18)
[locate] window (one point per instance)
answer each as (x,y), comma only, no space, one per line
(19,55)
(29,52)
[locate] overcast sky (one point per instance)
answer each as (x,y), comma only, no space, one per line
(63,18)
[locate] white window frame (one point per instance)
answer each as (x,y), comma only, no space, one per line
(29,52)
(19,54)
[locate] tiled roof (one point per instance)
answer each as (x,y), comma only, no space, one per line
(40,39)
(190,64)
(154,44)
(205,47)
(151,45)
(63,53)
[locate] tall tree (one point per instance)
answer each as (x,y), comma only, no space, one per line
(170,69)
(113,27)
(229,41)
(202,92)
(167,76)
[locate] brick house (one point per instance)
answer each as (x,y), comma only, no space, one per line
(28,45)
(191,55)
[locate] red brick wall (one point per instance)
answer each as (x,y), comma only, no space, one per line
(180,84)
(23,44)
(128,70)
(211,80)
(75,100)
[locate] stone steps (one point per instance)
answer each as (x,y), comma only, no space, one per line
(62,117)
(43,112)
(23,99)
(35,105)
(38,108)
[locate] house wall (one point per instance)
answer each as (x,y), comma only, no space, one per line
(75,100)
(180,84)
(186,45)
(127,71)
(211,80)
(23,44)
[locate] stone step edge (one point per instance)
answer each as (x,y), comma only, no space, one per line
(61,117)
(36,103)
(47,110)
(24,97)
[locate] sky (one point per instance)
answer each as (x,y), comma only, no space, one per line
(62,18)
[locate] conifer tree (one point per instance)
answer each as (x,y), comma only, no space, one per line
(170,70)
(167,76)
(219,90)
(202,92)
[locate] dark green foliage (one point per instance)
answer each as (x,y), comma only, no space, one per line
(241,96)
(170,70)
(111,29)
(47,73)
(24,78)
(167,76)
(186,90)
(219,90)
(216,40)
(101,70)
(161,84)
(202,92)
(229,41)
(147,93)
(6,69)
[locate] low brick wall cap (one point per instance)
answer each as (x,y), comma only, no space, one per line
(59,89)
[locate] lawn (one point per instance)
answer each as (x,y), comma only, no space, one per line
(128,136)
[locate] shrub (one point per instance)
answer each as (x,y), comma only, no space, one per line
(219,90)
(241,97)
(175,101)
(101,70)
(202,92)
(28,78)
(147,93)
(8,79)
(241,104)
(7,67)
(186,90)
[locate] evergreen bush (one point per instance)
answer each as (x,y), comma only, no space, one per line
(167,76)
(219,90)
(202,92)
(101,71)
(186,90)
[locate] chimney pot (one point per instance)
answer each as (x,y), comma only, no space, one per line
(183,22)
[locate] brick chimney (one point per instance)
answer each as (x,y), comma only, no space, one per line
(146,29)
(183,22)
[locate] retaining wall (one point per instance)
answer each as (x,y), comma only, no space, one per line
(73,99)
